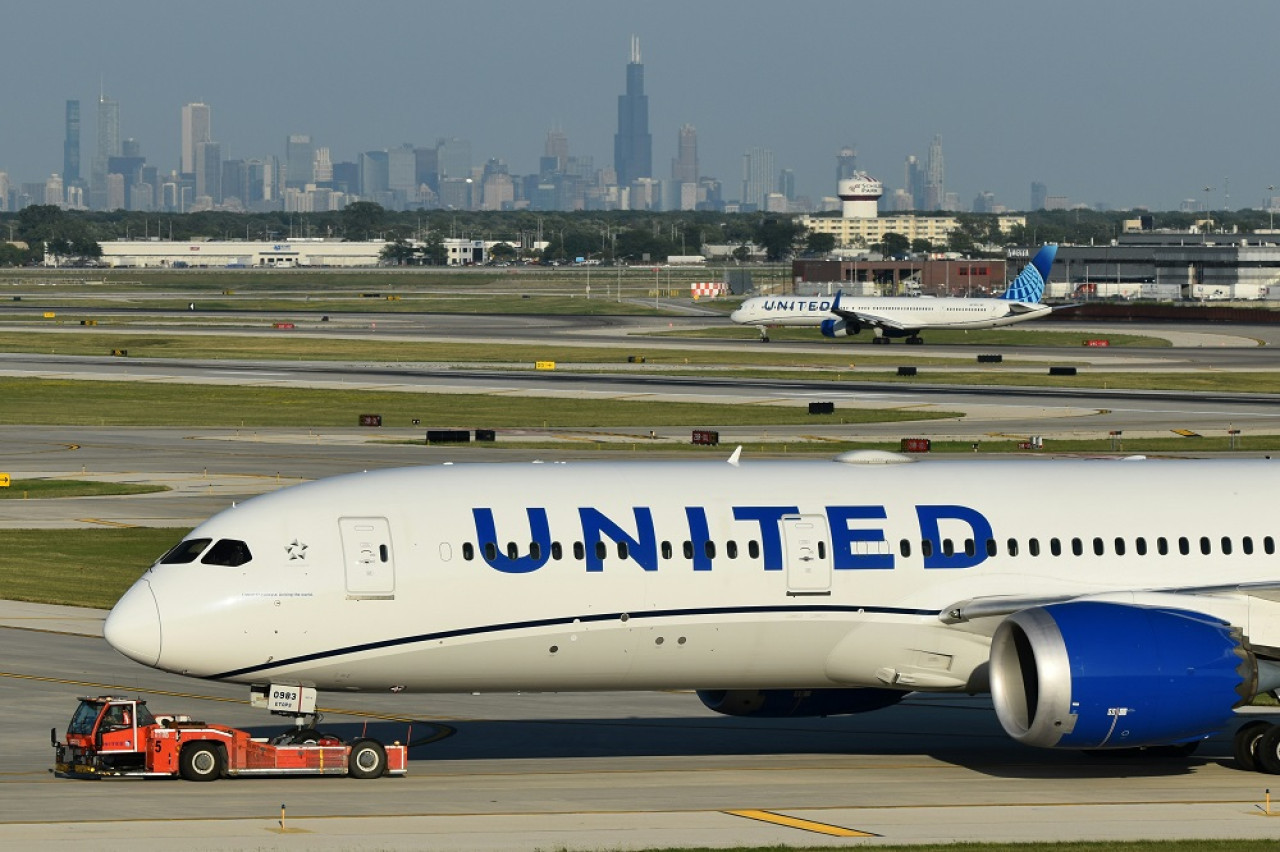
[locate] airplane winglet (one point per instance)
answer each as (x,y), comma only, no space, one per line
(737,454)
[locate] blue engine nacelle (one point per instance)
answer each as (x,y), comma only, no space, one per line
(839,328)
(1089,675)
(784,703)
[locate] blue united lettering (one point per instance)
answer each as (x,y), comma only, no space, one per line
(947,537)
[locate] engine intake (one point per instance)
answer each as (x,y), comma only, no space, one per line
(784,703)
(839,328)
(1089,674)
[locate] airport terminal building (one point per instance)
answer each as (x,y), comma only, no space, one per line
(259,254)
(1171,266)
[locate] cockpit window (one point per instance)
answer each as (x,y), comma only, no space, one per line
(185,551)
(228,552)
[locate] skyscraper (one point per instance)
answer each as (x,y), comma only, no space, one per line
(846,163)
(299,161)
(1039,195)
(632,144)
(108,146)
(196,130)
(758,176)
(935,193)
(71,145)
(684,168)
(913,182)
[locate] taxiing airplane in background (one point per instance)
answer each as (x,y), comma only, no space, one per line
(903,316)
(1083,594)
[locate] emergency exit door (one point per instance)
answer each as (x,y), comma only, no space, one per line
(370,563)
(806,553)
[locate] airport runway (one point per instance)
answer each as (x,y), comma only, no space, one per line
(598,771)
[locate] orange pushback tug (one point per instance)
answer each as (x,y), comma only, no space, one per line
(119,737)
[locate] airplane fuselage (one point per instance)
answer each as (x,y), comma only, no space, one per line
(699,575)
(914,313)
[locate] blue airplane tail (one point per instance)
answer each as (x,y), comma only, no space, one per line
(1030,283)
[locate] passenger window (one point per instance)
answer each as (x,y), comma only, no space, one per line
(579,552)
(468,551)
(687,549)
(535,550)
(601,550)
(1246,544)
(513,552)
(1162,546)
(1205,546)
(822,550)
(185,551)
(1012,546)
(1099,548)
(1226,545)
(557,552)
(709,548)
(753,549)
(666,550)
(992,547)
(1268,545)
(1119,547)
(1140,545)
(1077,547)
(623,550)
(490,551)
(1184,546)
(970,548)
(926,548)
(1033,546)
(947,548)
(904,547)
(228,552)
(1055,547)
(731,549)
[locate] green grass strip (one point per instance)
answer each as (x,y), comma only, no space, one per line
(77,567)
(91,403)
(41,489)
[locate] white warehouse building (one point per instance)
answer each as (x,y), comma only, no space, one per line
(258,254)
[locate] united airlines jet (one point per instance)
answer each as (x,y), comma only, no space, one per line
(1103,603)
(903,316)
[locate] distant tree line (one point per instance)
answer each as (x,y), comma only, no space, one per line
(417,237)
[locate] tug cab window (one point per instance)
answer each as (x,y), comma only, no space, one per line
(185,551)
(228,552)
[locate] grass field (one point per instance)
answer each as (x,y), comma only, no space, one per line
(77,567)
(40,489)
(69,403)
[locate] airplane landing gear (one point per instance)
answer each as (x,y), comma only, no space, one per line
(883,341)
(915,340)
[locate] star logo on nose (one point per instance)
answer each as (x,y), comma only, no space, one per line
(296,550)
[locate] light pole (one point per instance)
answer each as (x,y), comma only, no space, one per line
(1271,208)
(1207,190)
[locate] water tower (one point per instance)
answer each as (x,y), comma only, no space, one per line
(859,196)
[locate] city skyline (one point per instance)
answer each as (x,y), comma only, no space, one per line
(1139,104)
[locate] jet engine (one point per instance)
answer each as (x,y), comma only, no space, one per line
(1093,675)
(839,328)
(784,703)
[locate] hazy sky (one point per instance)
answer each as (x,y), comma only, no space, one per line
(1129,102)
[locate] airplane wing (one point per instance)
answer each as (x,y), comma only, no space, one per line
(868,320)
(998,606)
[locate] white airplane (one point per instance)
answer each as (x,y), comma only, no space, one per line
(903,316)
(1103,603)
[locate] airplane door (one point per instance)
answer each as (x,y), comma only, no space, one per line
(366,551)
(807,554)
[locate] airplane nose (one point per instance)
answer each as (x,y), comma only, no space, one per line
(133,626)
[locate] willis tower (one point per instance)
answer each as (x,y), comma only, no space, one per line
(632,144)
